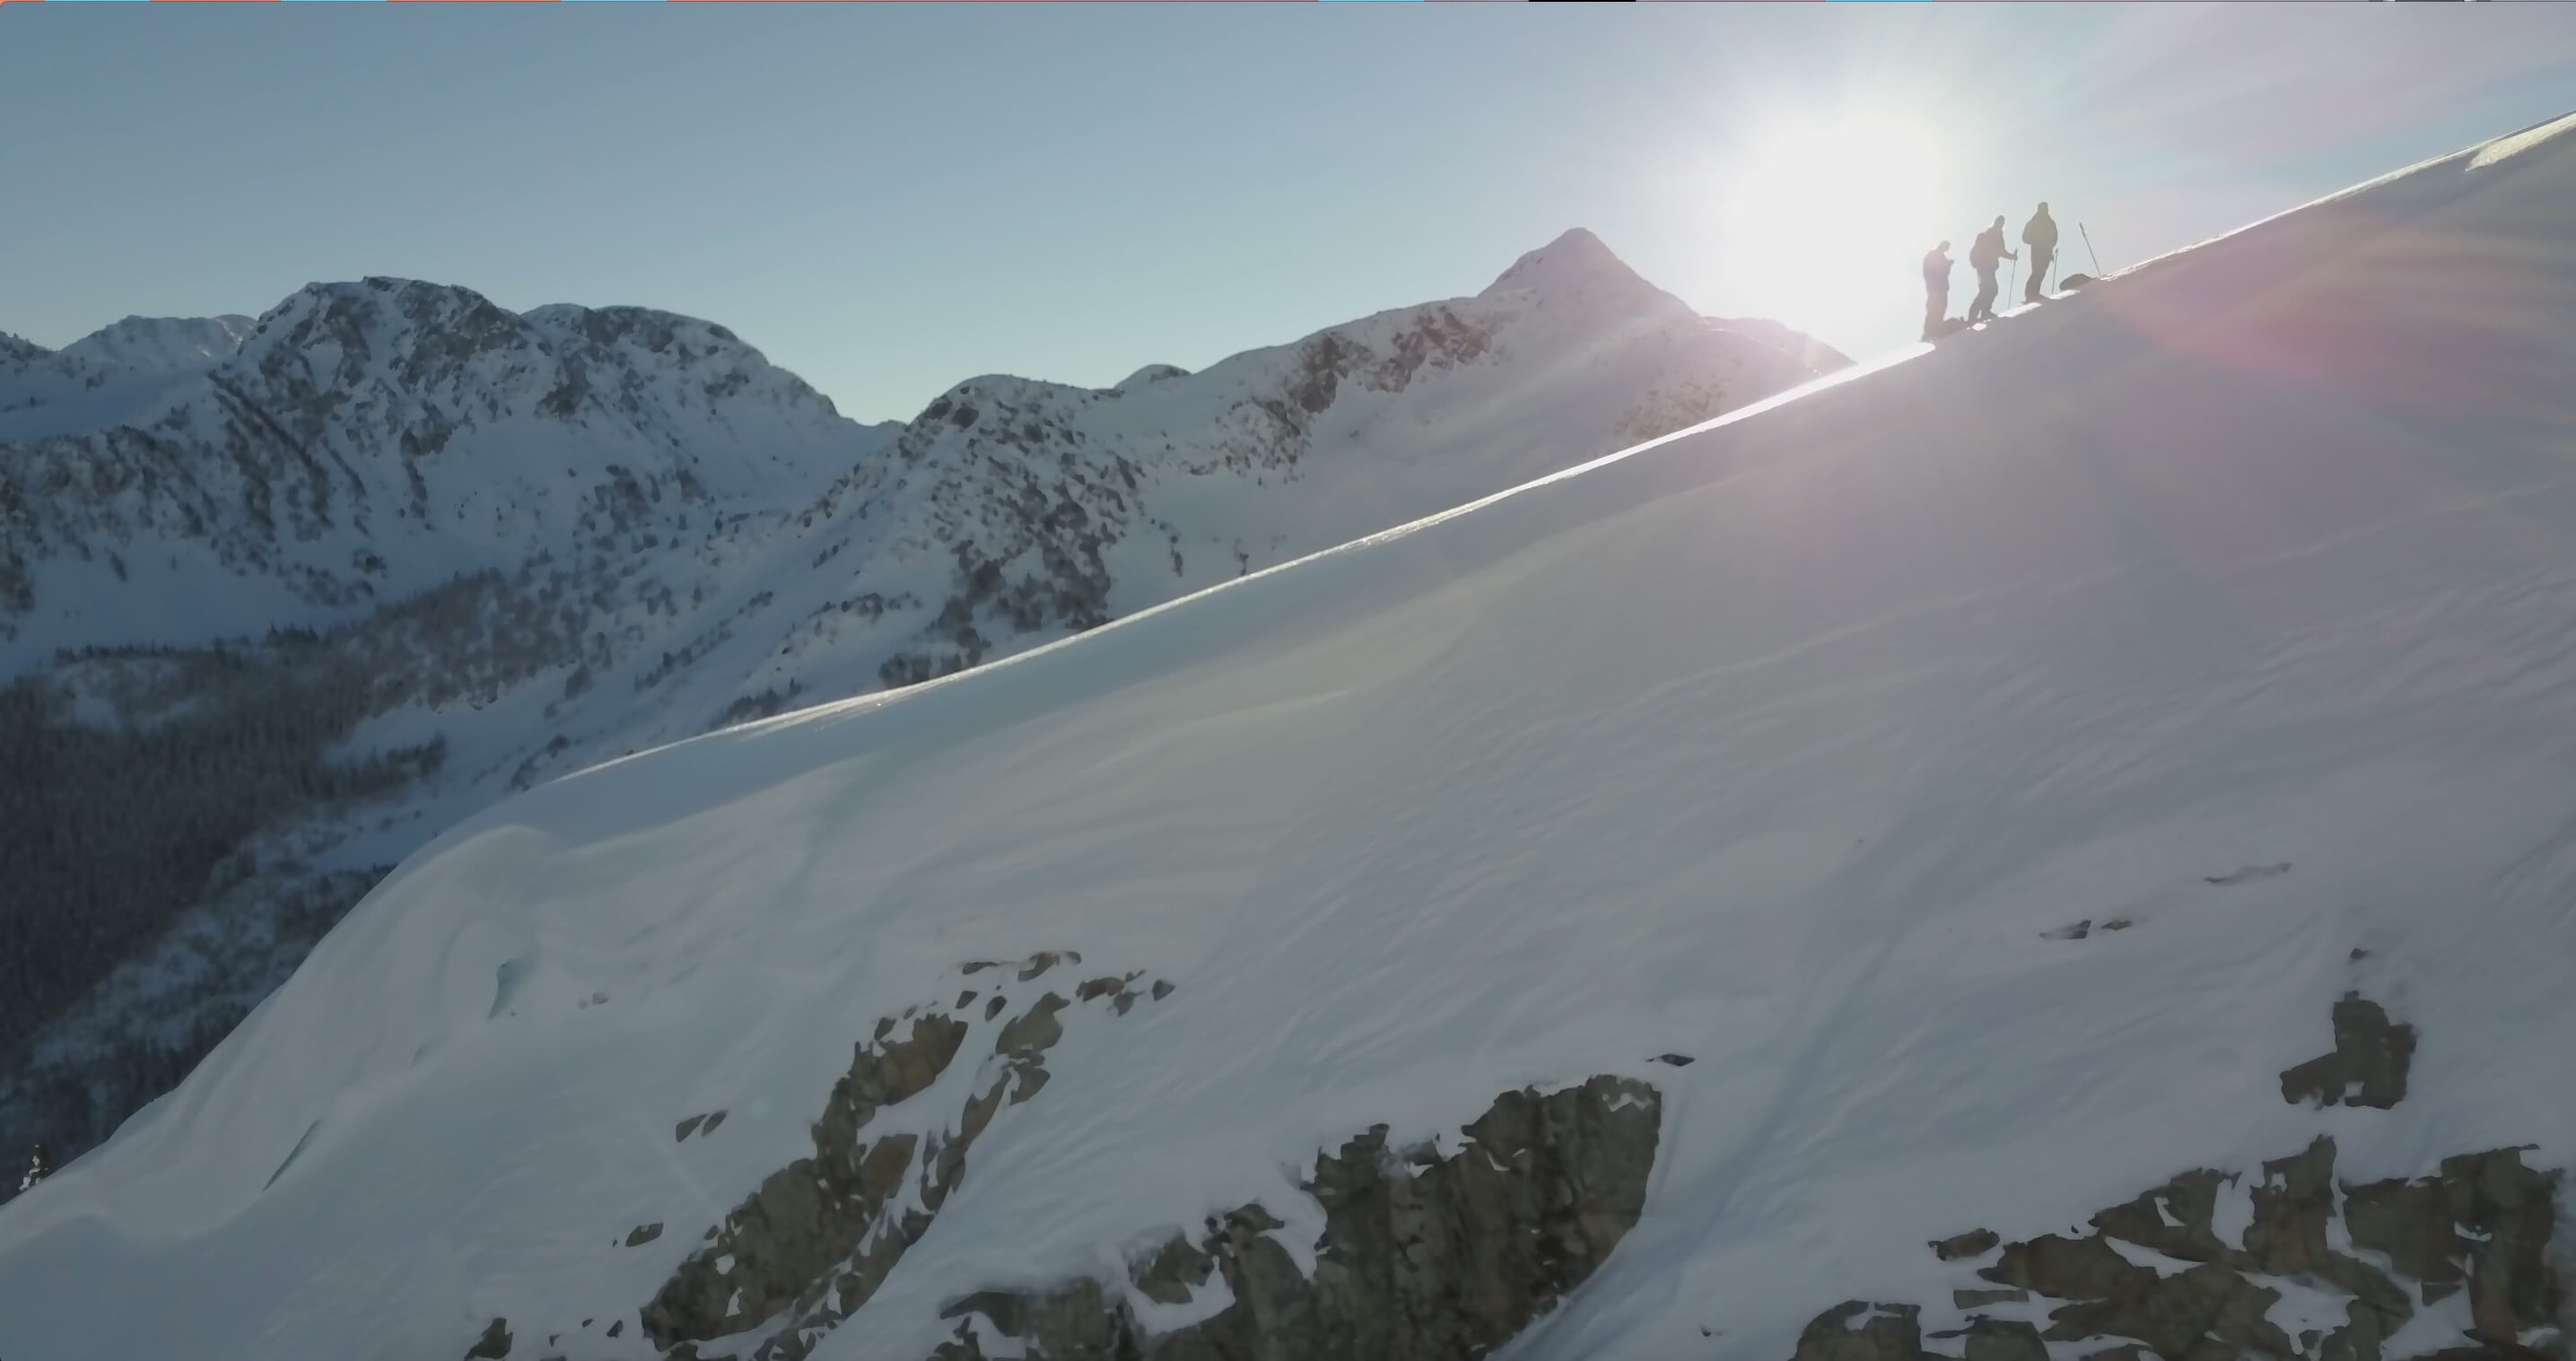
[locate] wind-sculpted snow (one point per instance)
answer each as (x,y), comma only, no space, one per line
(537,541)
(1965,793)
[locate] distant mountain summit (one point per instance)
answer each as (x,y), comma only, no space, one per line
(167,343)
(1577,266)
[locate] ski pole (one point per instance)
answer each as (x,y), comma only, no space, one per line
(2088,249)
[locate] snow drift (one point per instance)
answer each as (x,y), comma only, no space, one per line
(1986,772)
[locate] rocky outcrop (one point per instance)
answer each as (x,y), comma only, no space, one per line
(1973,1243)
(1423,1255)
(2482,1224)
(2368,1065)
(818,1236)
(493,1344)
(2158,1275)
(1856,1330)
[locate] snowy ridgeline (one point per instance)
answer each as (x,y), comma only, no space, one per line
(292,594)
(1908,870)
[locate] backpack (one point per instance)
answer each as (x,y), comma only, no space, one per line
(1988,250)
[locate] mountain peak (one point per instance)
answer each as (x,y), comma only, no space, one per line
(163,342)
(1576,263)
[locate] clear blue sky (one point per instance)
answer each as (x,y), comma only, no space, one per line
(890,198)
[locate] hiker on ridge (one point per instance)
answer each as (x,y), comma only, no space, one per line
(2040,234)
(39,1167)
(1936,290)
(1984,255)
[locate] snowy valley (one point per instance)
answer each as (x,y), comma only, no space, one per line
(281,598)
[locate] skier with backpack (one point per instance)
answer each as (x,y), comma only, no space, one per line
(1986,255)
(39,1166)
(2040,234)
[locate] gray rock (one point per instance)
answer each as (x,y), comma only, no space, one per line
(2368,1065)
(493,1344)
(1999,1340)
(2291,1206)
(814,1241)
(1973,1243)
(2206,1311)
(2070,1269)
(808,1218)
(1074,1323)
(1172,1273)
(2483,1224)
(2150,1221)
(1886,1332)
(1026,1038)
(1423,1258)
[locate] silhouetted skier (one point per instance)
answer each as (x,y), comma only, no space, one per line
(2040,234)
(39,1166)
(1936,290)
(1984,254)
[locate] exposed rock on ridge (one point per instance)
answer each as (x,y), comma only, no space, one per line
(1423,1256)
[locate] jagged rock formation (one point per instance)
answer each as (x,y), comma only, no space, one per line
(2368,1065)
(1423,1256)
(809,1246)
(2157,1274)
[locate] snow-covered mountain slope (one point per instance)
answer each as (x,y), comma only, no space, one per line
(166,344)
(1015,511)
(108,375)
(369,440)
(2110,754)
(485,549)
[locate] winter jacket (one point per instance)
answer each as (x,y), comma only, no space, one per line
(1989,250)
(2041,234)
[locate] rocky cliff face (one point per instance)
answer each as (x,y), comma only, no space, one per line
(1424,1256)
(2457,1265)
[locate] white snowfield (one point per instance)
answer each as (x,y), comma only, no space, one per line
(1784,743)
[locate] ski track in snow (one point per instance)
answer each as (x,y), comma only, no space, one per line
(1784,743)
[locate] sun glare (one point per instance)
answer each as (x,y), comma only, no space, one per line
(1831,213)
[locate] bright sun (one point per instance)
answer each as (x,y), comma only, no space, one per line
(1827,212)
